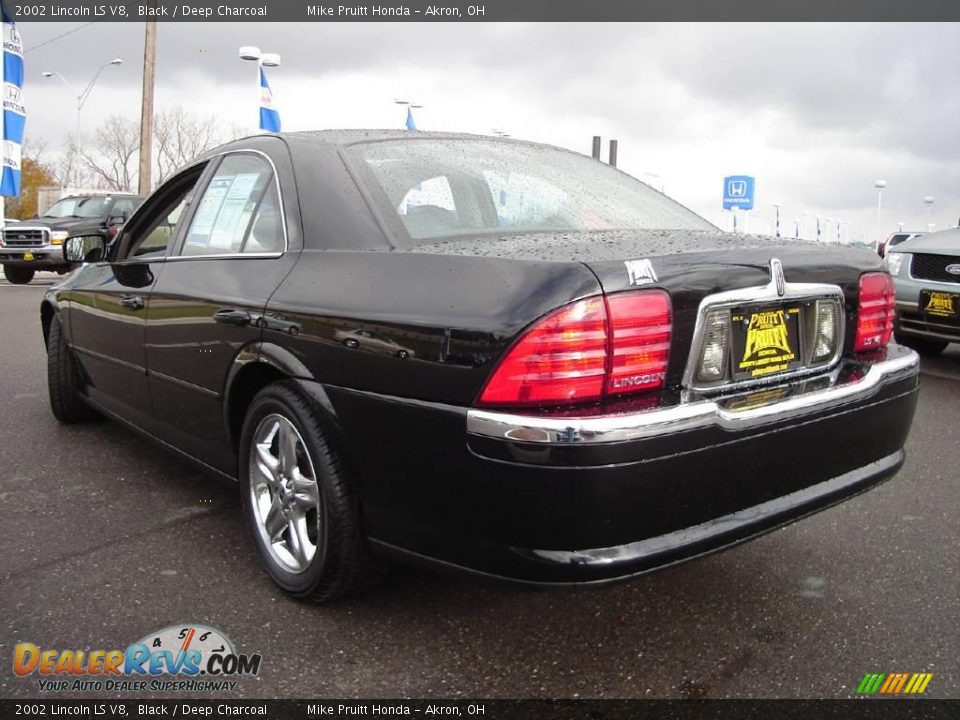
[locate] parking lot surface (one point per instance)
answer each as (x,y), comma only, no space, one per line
(107,537)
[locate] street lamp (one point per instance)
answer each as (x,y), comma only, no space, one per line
(928,201)
(411,125)
(82,96)
(776,207)
(879,185)
(262,59)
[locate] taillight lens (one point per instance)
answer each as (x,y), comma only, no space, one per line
(875,318)
(614,345)
(640,328)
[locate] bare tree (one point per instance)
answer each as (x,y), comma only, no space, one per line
(182,136)
(113,158)
(109,160)
(69,168)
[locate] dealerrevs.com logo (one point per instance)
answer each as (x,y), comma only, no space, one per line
(186,657)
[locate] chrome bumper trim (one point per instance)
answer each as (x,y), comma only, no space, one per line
(686,416)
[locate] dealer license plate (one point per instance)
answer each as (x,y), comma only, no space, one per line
(766,341)
(28,256)
(939,304)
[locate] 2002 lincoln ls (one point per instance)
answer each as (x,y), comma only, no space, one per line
(493,355)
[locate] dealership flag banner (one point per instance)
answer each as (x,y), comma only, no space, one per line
(14,114)
(269,118)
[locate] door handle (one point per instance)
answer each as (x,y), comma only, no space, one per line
(132,302)
(229,316)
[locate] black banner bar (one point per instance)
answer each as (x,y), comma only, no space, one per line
(483,10)
(863,709)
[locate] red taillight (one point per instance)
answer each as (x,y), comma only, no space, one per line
(591,348)
(640,324)
(875,318)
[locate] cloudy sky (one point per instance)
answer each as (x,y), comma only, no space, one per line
(817,112)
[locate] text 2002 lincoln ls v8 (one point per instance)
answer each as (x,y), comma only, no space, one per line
(492,355)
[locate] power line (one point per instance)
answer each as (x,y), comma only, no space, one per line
(58,37)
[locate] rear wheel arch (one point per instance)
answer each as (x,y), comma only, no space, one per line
(260,365)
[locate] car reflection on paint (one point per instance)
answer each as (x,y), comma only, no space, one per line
(371,340)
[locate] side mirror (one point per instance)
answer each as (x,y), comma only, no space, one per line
(84,249)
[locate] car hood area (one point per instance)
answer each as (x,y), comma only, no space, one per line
(70,223)
(945,242)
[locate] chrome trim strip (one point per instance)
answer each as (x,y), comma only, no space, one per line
(758,294)
(685,416)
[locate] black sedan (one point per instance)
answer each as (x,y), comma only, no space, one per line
(595,381)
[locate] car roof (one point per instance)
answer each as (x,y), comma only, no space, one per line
(334,139)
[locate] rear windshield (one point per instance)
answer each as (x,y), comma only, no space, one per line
(431,188)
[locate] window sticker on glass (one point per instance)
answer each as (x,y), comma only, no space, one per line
(224,212)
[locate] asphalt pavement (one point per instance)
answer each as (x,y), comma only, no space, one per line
(107,537)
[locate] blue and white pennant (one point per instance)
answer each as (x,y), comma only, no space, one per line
(14,112)
(269,118)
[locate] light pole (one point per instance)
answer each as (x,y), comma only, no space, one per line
(928,201)
(85,93)
(262,60)
(411,106)
(879,185)
(776,207)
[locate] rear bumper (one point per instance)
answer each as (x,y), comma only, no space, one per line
(525,499)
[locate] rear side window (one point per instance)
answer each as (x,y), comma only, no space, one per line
(238,211)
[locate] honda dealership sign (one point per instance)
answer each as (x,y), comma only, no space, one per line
(738,192)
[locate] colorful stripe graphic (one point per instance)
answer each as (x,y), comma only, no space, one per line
(894,683)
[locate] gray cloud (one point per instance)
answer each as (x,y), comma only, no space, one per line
(830,107)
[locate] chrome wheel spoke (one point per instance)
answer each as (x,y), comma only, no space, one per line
(287,449)
(300,546)
(306,494)
(267,464)
(275,522)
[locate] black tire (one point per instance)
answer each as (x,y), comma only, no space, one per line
(18,275)
(927,347)
(63,380)
(343,563)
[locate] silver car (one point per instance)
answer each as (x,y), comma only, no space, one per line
(926,274)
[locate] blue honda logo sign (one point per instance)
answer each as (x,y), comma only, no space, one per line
(738,192)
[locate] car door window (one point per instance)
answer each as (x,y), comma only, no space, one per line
(122,209)
(151,232)
(238,211)
(156,237)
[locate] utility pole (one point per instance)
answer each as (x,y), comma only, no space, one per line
(146,108)
(595,153)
